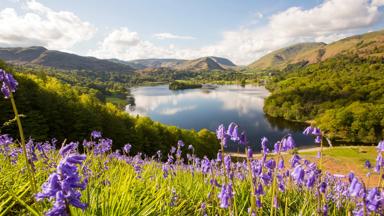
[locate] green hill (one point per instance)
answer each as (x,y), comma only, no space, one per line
(365,45)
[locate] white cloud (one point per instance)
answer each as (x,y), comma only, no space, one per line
(331,20)
(40,25)
(378,3)
(124,44)
(166,35)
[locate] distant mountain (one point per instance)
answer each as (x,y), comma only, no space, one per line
(67,61)
(200,64)
(204,63)
(60,60)
(282,57)
(369,44)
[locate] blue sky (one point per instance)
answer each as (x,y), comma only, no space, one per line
(242,30)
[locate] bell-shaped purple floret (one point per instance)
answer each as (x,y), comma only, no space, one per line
(380,146)
(231,127)
(298,174)
(67,149)
(308,130)
(249,152)
(270,164)
(235,134)
(8,83)
(243,138)
(180,143)
(96,134)
(264,143)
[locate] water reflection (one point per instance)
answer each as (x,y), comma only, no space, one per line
(207,108)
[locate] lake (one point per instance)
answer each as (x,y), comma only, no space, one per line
(208,108)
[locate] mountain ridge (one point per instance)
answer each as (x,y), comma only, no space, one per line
(61,60)
(38,55)
(363,45)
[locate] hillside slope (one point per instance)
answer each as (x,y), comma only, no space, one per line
(200,64)
(60,60)
(369,44)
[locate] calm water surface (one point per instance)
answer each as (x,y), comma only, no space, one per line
(202,108)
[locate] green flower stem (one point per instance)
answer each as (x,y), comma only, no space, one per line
(30,172)
(274,181)
(225,174)
(253,202)
(380,175)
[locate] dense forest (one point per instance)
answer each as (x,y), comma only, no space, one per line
(343,95)
(177,85)
(51,108)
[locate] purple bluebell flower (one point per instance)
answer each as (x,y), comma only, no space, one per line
(264,143)
(316,131)
(219,156)
(88,144)
(379,163)
(190,147)
(5,142)
(96,134)
(249,152)
(205,165)
(380,146)
(9,84)
(231,128)
(310,180)
(355,187)
(220,132)
(290,143)
(173,150)
(277,147)
(295,160)
(180,143)
(227,163)
(225,195)
(158,153)
(170,159)
(243,138)
(322,187)
(67,149)
(280,165)
(375,201)
(64,184)
(351,176)
(178,153)
(270,164)
(5,139)
(127,148)
(103,146)
(204,208)
(298,174)
(235,134)
(368,164)
(308,130)
(259,191)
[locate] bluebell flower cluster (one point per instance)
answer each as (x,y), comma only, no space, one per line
(8,83)
(64,185)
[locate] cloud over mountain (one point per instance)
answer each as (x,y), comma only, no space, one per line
(39,25)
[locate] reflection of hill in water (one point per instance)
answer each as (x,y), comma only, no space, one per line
(282,124)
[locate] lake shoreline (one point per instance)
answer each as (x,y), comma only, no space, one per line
(302,150)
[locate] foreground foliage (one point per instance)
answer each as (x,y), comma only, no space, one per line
(343,95)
